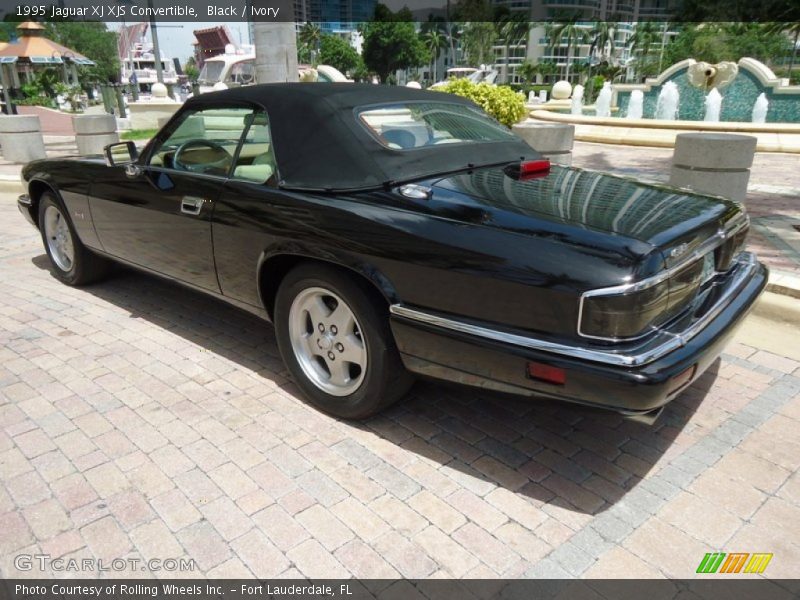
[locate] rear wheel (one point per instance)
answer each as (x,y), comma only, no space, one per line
(72,262)
(335,340)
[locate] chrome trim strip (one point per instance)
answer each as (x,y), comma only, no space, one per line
(746,266)
(731,229)
(24,199)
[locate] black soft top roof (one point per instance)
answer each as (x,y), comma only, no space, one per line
(319,144)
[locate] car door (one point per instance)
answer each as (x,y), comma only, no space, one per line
(158,215)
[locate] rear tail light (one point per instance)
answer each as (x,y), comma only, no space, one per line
(627,315)
(529,169)
(526,167)
(547,373)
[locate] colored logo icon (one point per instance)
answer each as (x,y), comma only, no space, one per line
(734,562)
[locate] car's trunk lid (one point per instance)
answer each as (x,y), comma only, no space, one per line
(675,221)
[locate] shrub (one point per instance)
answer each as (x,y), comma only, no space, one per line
(501,102)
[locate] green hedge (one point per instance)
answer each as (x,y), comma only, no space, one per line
(501,102)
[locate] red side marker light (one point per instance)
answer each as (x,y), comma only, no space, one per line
(547,373)
(681,379)
(533,169)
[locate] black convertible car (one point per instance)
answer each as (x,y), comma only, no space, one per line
(388,232)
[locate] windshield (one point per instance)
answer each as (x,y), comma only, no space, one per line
(212,71)
(421,124)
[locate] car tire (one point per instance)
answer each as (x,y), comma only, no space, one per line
(72,263)
(322,316)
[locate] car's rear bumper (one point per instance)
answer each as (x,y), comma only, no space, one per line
(626,379)
(24,205)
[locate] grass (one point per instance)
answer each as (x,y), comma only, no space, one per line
(138,134)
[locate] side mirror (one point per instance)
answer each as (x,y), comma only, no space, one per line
(121,153)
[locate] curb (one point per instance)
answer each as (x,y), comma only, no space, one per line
(9,183)
(779,308)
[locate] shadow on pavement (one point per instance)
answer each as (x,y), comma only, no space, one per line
(578,458)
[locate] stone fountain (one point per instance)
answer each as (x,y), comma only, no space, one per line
(146,112)
(745,97)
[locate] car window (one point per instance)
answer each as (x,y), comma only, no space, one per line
(205,141)
(420,124)
(255,161)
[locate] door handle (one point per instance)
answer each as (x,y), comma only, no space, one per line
(192,205)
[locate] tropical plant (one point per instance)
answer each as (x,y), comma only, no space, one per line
(70,93)
(602,41)
(499,101)
(571,33)
(513,31)
(547,68)
(528,71)
(793,31)
(477,39)
(435,41)
(310,36)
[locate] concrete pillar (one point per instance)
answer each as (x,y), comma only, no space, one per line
(21,138)
(713,163)
(94,132)
(276,49)
(553,140)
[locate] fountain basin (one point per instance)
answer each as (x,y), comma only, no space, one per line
(771,137)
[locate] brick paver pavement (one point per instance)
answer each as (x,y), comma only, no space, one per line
(139,419)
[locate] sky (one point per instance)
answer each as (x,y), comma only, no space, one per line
(176,39)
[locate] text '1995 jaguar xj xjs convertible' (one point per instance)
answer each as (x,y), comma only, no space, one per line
(389,232)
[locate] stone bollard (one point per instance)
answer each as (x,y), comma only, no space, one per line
(553,140)
(94,132)
(21,138)
(713,163)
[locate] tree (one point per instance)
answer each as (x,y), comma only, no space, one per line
(435,41)
(793,30)
(94,41)
(571,33)
(391,43)
(717,42)
(336,52)
(513,31)
(477,40)
(310,36)
(602,36)
(528,71)
(191,70)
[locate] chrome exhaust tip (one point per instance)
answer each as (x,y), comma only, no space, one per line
(647,417)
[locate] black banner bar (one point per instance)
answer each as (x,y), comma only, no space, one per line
(354,11)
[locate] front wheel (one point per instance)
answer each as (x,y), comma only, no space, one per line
(72,262)
(335,340)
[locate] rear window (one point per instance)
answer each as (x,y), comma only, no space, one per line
(423,124)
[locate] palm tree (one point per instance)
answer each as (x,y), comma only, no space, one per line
(310,35)
(513,30)
(644,37)
(435,41)
(602,36)
(571,33)
(793,30)
(528,71)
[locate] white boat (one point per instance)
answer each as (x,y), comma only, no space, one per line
(474,75)
(140,67)
(236,67)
